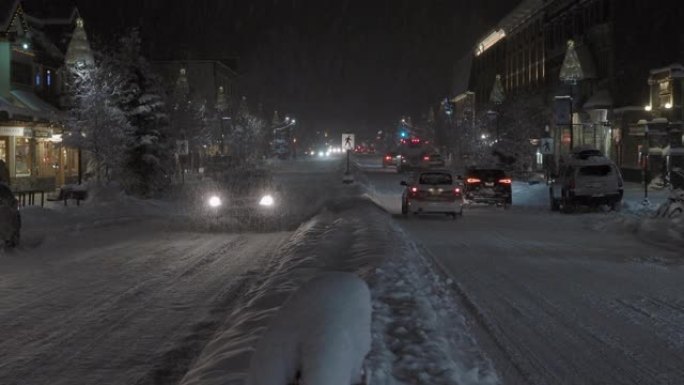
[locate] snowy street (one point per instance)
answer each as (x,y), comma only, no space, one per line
(562,299)
(128,292)
(125,292)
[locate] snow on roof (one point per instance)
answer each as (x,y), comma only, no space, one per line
(600,99)
(7,9)
(520,14)
(676,70)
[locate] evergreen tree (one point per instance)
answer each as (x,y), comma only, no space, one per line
(149,157)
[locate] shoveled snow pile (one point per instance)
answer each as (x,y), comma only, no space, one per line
(642,221)
(321,335)
(419,334)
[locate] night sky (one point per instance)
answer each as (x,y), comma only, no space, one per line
(337,65)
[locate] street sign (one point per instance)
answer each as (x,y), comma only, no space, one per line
(546,146)
(348,141)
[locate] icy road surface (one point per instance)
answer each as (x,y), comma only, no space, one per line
(556,300)
(123,292)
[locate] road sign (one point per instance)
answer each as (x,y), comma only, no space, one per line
(546,146)
(348,141)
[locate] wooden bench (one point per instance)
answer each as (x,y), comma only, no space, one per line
(67,193)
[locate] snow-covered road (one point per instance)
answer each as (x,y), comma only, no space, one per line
(557,299)
(125,292)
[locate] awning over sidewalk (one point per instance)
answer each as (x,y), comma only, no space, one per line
(40,108)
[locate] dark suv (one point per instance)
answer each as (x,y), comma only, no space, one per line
(486,185)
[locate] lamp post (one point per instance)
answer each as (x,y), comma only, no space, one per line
(645,154)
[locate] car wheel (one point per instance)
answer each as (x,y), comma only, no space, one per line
(13,241)
(676,213)
(404,208)
(616,206)
(555,203)
(453,216)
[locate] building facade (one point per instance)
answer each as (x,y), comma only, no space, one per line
(33,44)
(203,96)
(597,54)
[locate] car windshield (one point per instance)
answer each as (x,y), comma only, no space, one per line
(598,170)
(435,178)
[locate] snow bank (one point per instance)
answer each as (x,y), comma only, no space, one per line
(640,219)
(321,335)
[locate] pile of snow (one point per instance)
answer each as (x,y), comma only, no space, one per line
(419,333)
(640,218)
(321,335)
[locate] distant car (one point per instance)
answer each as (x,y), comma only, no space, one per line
(432,160)
(10,218)
(391,159)
(586,177)
(488,185)
(432,192)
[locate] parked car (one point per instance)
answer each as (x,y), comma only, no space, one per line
(586,177)
(391,159)
(488,185)
(432,160)
(10,218)
(432,192)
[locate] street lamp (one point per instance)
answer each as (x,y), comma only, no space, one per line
(645,153)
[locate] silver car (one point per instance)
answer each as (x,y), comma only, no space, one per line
(432,192)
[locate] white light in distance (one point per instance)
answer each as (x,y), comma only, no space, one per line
(266,200)
(215,201)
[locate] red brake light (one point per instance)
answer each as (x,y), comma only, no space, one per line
(388,157)
(457,191)
(414,189)
(426,158)
(473,180)
(505,181)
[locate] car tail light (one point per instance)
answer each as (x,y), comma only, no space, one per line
(457,191)
(388,157)
(505,181)
(472,180)
(426,158)
(414,189)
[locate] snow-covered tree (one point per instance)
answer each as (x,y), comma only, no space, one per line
(249,133)
(150,154)
(96,123)
(501,133)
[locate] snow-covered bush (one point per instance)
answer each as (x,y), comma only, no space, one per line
(320,336)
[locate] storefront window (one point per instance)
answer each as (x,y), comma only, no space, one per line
(23,157)
(47,159)
(3,150)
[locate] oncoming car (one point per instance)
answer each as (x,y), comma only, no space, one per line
(244,197)
(432,192)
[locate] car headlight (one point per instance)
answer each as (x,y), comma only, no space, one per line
(266,200)
(215,201)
